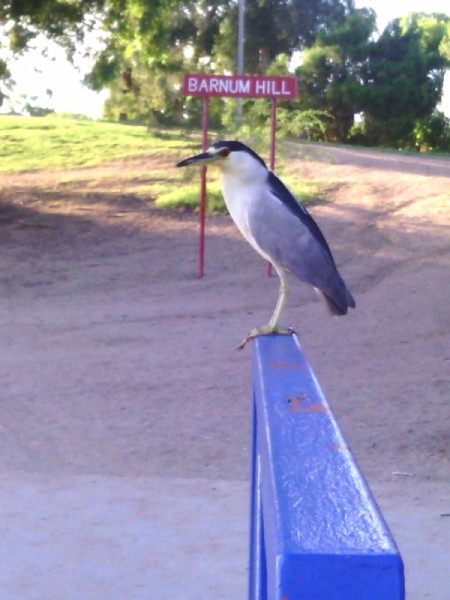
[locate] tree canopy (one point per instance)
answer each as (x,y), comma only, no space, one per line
(393,82)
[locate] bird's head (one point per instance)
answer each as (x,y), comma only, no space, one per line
(229,156)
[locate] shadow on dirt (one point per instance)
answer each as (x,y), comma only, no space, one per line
(132,270)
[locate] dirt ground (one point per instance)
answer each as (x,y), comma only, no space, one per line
(117,360)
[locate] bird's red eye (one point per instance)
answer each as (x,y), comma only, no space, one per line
(224,152)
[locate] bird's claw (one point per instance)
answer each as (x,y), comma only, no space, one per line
(266,330)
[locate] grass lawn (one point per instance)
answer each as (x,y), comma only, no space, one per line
(145,159)
(58,143)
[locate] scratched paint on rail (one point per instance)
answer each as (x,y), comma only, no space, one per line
(298,404)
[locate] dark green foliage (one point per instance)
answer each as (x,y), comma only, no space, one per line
(394,82)
(403,80)
(55,18)
(433,133)
(275,27)
(331,73)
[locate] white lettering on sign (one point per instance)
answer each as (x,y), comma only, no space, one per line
(244,86)
(199,84)
(192,85)
(219,86)
(214,85)
(271,88)
(260,87)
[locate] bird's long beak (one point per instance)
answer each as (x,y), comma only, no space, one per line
(199,159)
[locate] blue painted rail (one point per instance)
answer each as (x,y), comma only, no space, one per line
(316,532)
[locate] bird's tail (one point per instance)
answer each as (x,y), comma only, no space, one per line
(341,306)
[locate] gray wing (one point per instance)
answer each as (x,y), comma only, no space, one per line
(295,242)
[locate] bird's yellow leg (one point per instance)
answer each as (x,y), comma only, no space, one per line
(272,326)
(281,302)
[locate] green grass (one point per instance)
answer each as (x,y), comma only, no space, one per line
(188,197)
(145,157)
(58,143)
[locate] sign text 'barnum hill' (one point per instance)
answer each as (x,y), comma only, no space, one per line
(239,86)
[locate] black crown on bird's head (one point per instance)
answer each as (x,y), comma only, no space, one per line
(235,146)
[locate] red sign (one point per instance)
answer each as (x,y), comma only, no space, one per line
(240,86)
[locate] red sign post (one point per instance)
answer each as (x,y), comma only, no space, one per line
(234,86)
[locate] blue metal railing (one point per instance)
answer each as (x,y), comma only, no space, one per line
(316,532)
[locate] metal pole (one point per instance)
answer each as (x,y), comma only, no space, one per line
(201,241)
(240,57)
(273,128)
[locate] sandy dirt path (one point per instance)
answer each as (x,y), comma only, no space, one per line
(116,360)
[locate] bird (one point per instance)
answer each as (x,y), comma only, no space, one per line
(277,226)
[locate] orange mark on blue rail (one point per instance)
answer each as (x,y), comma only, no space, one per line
(337,447)
(297,404)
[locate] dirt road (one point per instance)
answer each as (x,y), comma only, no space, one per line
(116,360)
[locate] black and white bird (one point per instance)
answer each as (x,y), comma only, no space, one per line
(278,227)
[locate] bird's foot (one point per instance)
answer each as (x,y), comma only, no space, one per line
(264,330)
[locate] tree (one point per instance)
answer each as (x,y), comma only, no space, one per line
(155,60)
(21,21)
(152,41)
(201,35)
(64,20)
(274,27)
(395,81)
(433,133)
(403,79)
(331,73)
